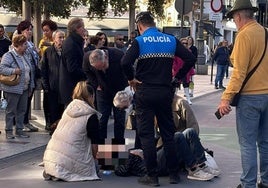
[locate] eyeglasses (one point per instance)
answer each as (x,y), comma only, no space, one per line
(120,39)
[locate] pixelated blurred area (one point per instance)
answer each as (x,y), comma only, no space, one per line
(112,154)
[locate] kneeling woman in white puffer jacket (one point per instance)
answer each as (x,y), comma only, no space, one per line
(71,152)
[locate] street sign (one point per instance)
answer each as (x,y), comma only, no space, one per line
(184,6)
(215,16)
(216,5)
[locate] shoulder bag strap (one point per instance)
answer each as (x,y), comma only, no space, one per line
(254,69)
(14,59)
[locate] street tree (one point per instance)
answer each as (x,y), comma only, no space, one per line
(96,8)
(59,8)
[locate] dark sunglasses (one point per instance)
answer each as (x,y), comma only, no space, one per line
(120,39)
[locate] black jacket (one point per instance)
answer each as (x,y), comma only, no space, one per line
(4,46)
(113,80)
(154,52)
(221,56)
(50,65)
(71,71)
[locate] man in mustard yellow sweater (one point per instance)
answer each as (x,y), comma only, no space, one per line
(252,108)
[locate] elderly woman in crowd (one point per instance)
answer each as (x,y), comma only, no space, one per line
(26,28)
(17,62)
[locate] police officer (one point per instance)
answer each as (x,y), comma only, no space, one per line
(154,52)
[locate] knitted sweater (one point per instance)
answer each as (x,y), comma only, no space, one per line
(248,48)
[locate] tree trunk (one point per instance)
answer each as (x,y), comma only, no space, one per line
(132,8)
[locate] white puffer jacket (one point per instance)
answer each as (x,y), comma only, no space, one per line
(68,155)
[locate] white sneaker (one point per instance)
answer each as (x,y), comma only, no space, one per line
(214,172)
(200,175)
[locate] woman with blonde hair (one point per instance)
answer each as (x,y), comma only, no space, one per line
(72,157)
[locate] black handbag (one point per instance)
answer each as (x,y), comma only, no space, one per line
(236,97)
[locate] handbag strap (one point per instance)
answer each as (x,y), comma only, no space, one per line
(14,59)
(254,69)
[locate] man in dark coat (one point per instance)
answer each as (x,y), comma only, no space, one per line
(50,65)
(4,45)
(104,73)
(222,59)
(4,42)
(71,70)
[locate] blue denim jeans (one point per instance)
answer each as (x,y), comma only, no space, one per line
(105,106)
(252,130)
(189,151)
(196,148)
(221,69)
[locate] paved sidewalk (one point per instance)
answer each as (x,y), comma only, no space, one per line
(8,148)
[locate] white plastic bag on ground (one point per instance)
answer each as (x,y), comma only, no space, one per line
(123,99)
(211,161)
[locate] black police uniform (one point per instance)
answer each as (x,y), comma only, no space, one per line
(155,52)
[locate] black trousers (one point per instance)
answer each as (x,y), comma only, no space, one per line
(46,108)
(156,102)
(54,108)
(105,106)
(26,116)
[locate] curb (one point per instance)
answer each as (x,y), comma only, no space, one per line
(9,161)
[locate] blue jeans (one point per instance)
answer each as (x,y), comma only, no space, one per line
(189,151)
(196,148)
(252,130)
(105,106)
(221,69)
